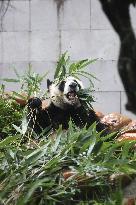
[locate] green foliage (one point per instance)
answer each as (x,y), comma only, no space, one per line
(30,82)
(65,68)
(32,173)
(10,112)
(86,98)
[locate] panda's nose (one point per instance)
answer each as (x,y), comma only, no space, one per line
(73,85)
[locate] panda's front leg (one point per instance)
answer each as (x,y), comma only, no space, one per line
(34,103)
(34,106)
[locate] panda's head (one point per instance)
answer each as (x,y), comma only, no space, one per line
(64,94)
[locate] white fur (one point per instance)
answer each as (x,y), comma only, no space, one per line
(69,80)
(59,98)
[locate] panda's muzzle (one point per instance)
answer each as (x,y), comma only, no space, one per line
(71,95)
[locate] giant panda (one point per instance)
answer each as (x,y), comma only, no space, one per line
(64,104)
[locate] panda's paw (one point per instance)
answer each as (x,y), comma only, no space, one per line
(34,103)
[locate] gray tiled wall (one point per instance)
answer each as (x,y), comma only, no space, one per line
(37,31)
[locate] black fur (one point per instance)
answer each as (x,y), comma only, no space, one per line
(62,85)
(48,83)
(54,116)
(78,84)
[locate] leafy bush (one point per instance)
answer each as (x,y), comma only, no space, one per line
(34,172)
(10,113)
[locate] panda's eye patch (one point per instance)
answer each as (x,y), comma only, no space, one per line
(78,84)
(62,85)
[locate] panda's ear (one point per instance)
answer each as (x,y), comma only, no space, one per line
(48,83)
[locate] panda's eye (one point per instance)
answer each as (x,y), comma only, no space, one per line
(78,84)
(63,82)
(62,85)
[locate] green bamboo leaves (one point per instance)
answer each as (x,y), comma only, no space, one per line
(65,68)
(35,175)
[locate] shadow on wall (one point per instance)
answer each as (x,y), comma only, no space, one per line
(117,11)
(4,4)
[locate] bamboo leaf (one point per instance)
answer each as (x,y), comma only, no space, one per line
(92,144)
(15,94)
(32,188)
(126,149)
(57,142)
(24,125)
(16,72)
(11,80)
(37,154)
(18,129)
(8,140)
(60,65)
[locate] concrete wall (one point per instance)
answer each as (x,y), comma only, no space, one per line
(37,31)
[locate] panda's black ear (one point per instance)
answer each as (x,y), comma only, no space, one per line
(48,83)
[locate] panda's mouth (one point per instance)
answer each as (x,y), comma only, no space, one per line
(71,95)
